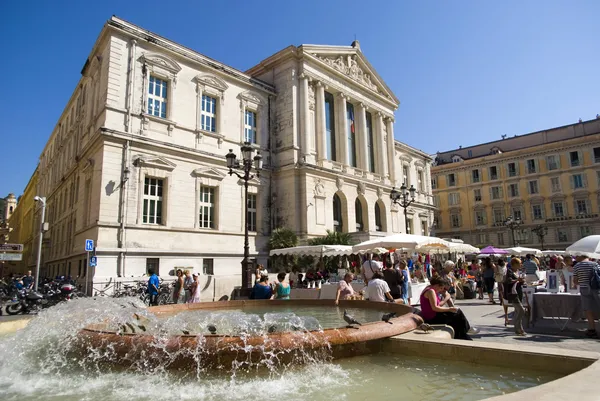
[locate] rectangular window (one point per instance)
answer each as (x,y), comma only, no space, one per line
(153,199)
(553,162)
(475,176)
(512,169)
(421,181)
(517,214)
(480,219)
(555,184)
(496,192)
(498,215)
(154,264)
(330,126)
(537,212)
(482,238)
(577,181)
(251,212)
(424,228)
(493,173)
(405,175)
(208,267)
(370,143)
(596,155)
(574,158)
(581,206)
(558,209)
(451,180)
(562,235)
(410,225)
(157,97)
(208,114)
(351,134)
(436,200)
(453,198)
(584,231)
(513,190)
(434,181)
(500,238)
(454,220)
(531,166)
(250,127)
(206,218)
(533,187)
(477,195)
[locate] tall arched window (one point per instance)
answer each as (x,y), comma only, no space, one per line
(378,224)
(358,214)
(338,223)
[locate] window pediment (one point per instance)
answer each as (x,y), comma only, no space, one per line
(536,199)
(155,162)
(212,82)
(160,61)
(516,202)
(405,159)
(252,98)
(209,172)
(558,197)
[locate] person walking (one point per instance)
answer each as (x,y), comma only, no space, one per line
(194,290)
(406,287)
(282,289)
(513,287)
(179,290)
(488,278)
(499,277)
(583,271)
(153,284)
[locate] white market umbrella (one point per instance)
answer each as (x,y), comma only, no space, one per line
(463,248)
(522,251)
(551,253)
(314,250)
(377,251)
(403,241)
(587,246)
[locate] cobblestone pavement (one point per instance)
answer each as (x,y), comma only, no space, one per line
(545,333)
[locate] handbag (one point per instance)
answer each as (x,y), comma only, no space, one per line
(595,279)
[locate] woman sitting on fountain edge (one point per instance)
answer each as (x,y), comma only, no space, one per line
(432,313)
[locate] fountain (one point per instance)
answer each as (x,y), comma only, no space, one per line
(114,349)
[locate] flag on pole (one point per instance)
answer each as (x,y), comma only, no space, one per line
(351,117)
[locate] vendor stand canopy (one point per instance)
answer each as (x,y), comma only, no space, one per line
(491,251)
(463,248)
(314,250)
(552,253)
(587,246)
(404,241)
(521,251)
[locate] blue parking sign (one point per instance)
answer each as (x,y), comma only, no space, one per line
(89,245)
(93,261)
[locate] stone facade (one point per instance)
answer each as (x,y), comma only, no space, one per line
(549,178)
(149,183)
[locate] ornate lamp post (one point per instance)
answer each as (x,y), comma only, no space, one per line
(512,225)
(402,199)
(541,231)
(245,166)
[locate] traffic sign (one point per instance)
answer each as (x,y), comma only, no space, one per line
(93,261)
(13,257)
(89,245)
(11,248)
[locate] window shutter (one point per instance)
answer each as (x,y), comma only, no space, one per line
(500,191)
(458,198)
(572,181)
(584,175)
(460,220)
(491,193)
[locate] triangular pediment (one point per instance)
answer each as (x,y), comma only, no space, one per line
(350,62)
(155,162)
(212,81)
(209,172)
(254,181)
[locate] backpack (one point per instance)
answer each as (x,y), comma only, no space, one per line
(595,279)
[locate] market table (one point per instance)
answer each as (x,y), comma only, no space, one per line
(556,306)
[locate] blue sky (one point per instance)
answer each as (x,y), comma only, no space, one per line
(465,71)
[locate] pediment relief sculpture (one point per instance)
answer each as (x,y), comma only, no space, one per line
(209,172)
(154,162)
(348,65)
(319,189)
(212,81)
(252,98)
(164,62)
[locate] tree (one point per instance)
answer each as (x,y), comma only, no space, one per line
(282,238)
(332,238)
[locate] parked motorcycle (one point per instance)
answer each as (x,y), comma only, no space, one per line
(26,301)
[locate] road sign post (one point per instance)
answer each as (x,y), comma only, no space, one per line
(89,247)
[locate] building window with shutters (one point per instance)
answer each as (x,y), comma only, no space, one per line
(553,162)
(596,155)
(533,187)
(500,238)
(537,212)
(455,220)
(477,195)
(555,184)
(513,190)
(493,173)
(475,176)
(581,206)
(451,180)
(584,231)
(498,215)
(480,218)
(531,167)
(558,209)
(513,169)
(574,158)
(496,193)
(453,198)
(153,201)
(577,181)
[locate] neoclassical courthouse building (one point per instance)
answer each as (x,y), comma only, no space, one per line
(137,161)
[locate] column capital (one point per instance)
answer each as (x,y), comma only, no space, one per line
(390,119)
(342,95)
(319,83)
(302,76)
(379,114)
(363,106)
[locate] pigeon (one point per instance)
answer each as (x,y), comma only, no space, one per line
(185,332)
(349,319)
(272,329)
(387,316)
(426,328)
(212,328)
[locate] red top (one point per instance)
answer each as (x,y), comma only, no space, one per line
(426,311)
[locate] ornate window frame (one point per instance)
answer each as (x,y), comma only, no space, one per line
(154,167)
(251,101)
(207,176)
(213,86)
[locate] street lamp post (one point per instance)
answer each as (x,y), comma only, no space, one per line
(402,199)
(541,231)
(245,166)
(42,200)
(512,225)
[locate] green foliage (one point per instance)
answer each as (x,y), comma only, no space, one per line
(283,238)
(332,238)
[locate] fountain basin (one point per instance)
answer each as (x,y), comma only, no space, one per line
(193,351)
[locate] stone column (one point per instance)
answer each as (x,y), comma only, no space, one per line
(320,128)
(391,145)
(380,150)
(362,142)
(342,130)
(304,118)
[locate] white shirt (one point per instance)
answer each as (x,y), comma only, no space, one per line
(370,267)
(377,289)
